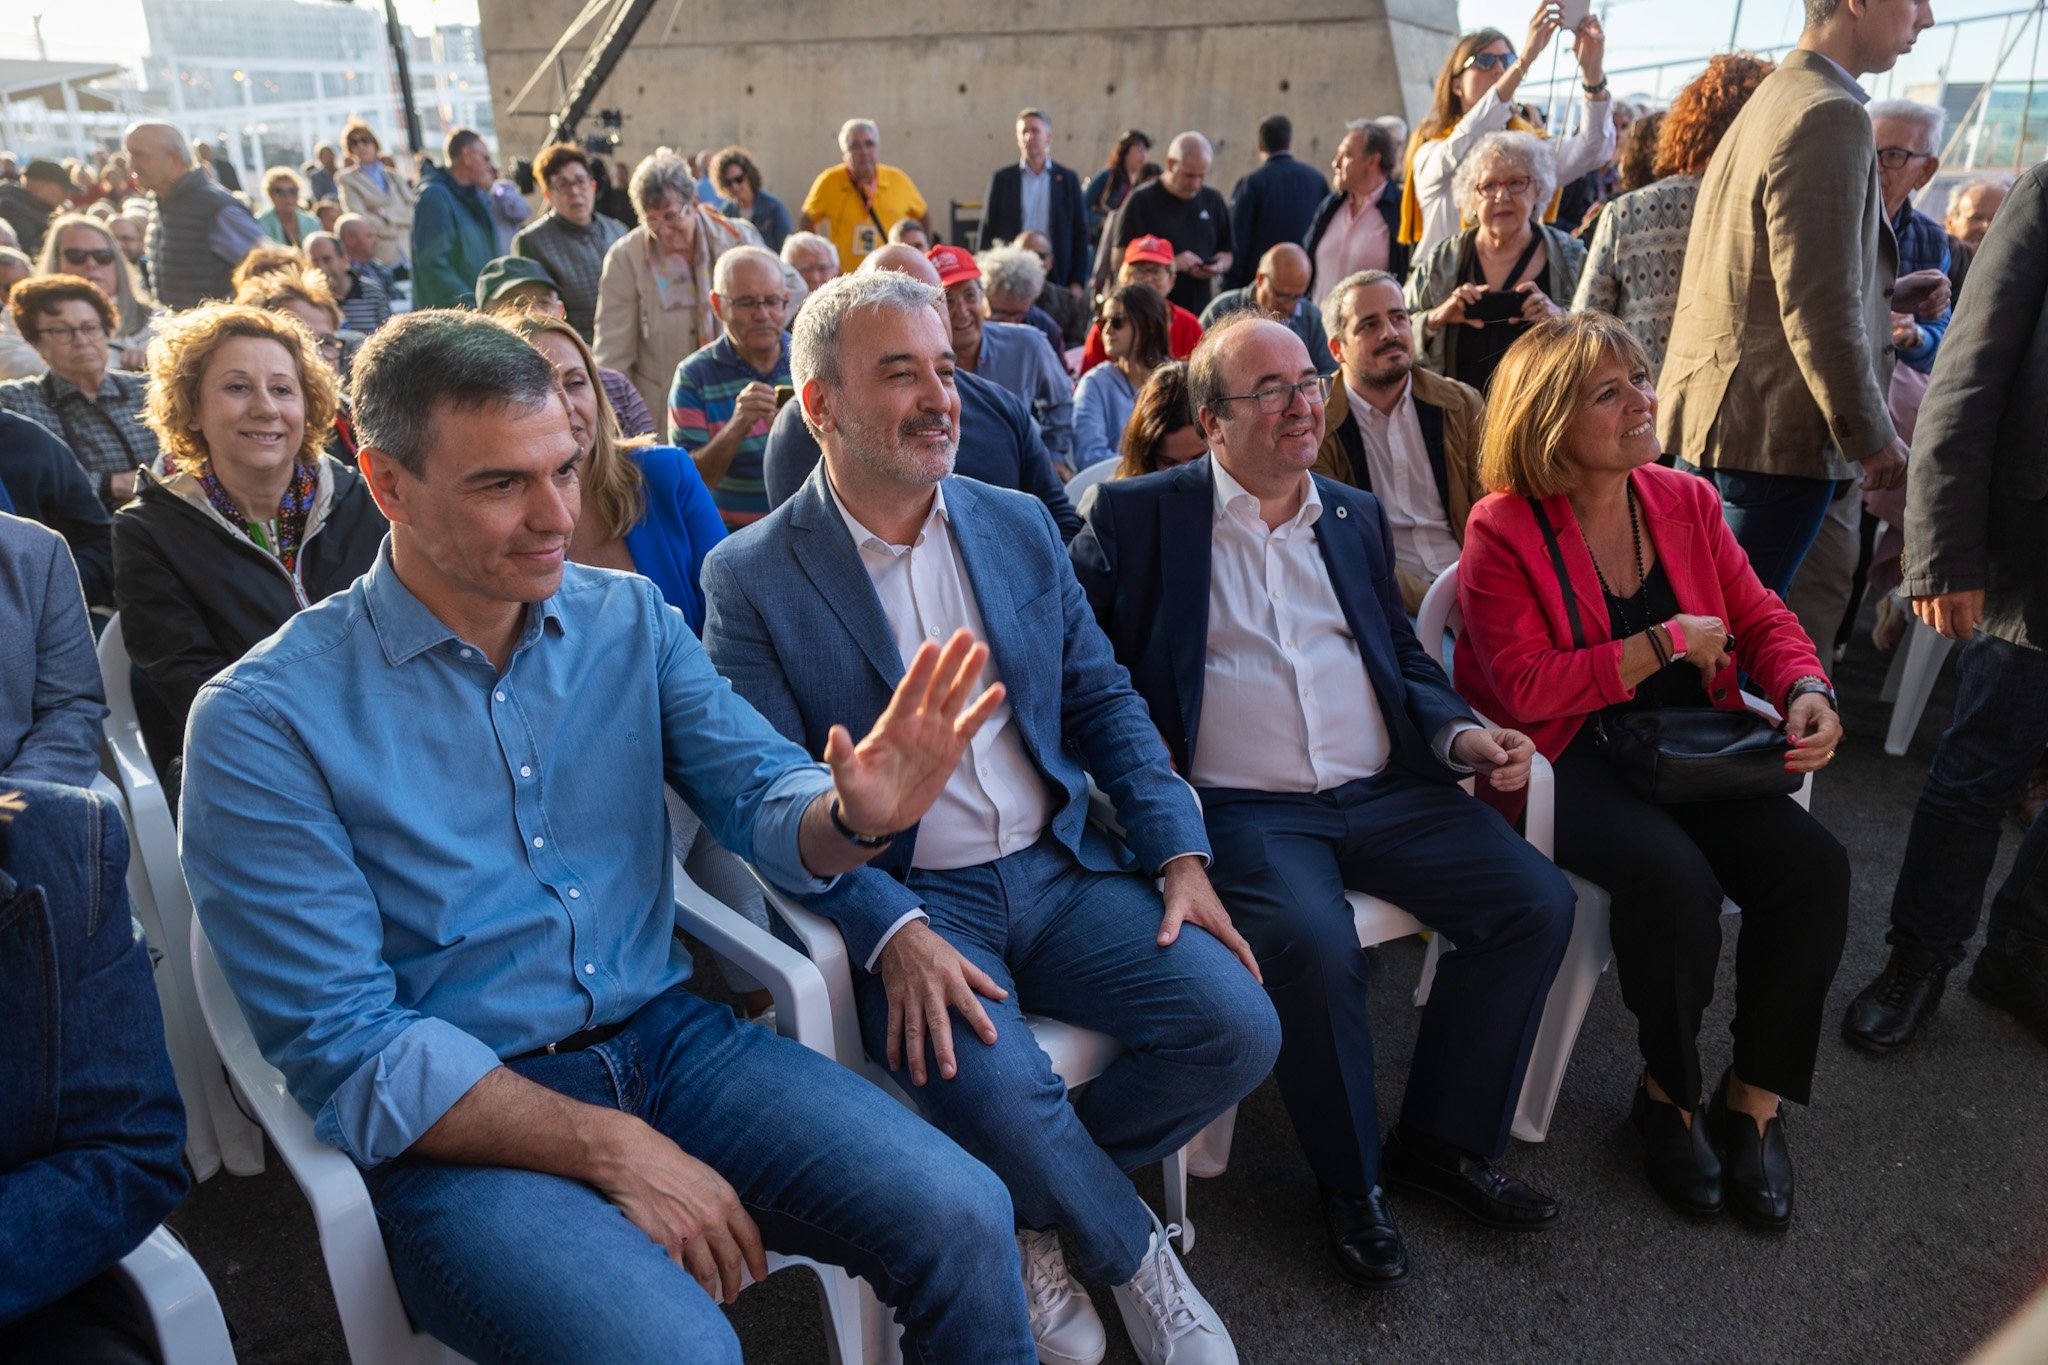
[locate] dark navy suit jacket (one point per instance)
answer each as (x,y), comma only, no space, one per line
(1143,559)
(793,620)
(1274,204)
(1002,218)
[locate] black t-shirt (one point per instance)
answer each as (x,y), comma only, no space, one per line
(1676,683)
(1200,225)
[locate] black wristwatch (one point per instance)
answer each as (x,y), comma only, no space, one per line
(1594,92)
(858,840)
(1801,686)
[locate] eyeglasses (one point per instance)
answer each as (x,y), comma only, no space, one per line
(1504,189)
(75,255)
(1280,397)
(65,334)
(1488,61)
(1898,158)
(735,180)
(1112,321)
(570,184)
(329,347)
(746,303)
(284,191)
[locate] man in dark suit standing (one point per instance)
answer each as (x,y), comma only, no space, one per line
(1039,195)
(1256,607)
(1977,569)
(1274,204)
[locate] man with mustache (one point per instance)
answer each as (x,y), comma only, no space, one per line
(1409,436)
(1002,898)
(1326,746)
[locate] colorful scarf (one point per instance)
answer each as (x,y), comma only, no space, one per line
(281,537)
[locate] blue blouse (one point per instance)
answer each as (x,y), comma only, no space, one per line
(678,529)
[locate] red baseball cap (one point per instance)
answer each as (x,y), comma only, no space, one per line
(1156,250)
(954,263)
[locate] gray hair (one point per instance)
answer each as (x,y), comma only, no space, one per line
(16,257)
(1527,153)
(1011,270)
(1924,116)
(721,270)
(1183,143)
(798,240)
(858,125)
(164,134)
(420,362)
(133,304)
(1379,141)
(1818,12)
(814,342)
(349,220)
(662,173)
(1337,307)
(1205,366)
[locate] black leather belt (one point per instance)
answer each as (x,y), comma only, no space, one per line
(576,1042)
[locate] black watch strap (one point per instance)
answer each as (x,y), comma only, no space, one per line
(1806,685)
(852,837)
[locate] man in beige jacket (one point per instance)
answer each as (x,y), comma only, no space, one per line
(1774,384)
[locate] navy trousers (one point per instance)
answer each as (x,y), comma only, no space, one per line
(1282,865)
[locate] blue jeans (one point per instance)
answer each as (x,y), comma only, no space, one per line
(1078,946)
(1980,768)
(1775,518)
(513,1265)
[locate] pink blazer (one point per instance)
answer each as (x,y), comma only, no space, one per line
(1516,662)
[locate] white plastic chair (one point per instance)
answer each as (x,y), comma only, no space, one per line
(175,1295)
(1916,666)
(373,1320)
(1590,949)
(1087,478)
(217,1133)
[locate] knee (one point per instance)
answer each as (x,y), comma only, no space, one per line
(1242,1037)
(962,1203)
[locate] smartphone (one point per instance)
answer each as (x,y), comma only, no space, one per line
(1495,306)
(1575,12)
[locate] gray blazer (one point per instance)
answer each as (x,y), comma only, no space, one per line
(51,704)
(1781,346)
(1977,485)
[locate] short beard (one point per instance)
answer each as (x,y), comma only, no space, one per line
(889,458)
(1397,369)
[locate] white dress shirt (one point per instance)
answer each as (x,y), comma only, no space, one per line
(996,803)
(1277,634)
(1035,197)
(1397,462)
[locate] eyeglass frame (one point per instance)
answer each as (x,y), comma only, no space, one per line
(1323,383)
(1906,157)
(1504,189)
(69,333)
(1487,61)
(747,303)
(79,255)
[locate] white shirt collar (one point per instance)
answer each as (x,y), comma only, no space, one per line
(1365,411)
(864,539)
(1231,495)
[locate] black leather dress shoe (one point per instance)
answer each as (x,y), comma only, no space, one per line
(2016,983)
(1892,1008)
(1756,1167)
(1416,1164)
(1677,1158)
(1365,1241)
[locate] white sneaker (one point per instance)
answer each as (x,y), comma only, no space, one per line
(1169,1321)
(1063,1322)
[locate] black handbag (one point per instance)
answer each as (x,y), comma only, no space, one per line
(1675,755)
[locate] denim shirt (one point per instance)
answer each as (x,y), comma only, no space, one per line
(411,866)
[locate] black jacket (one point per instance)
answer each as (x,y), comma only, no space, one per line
(45,483)
(1002,218)
(194,596)
(1389,205)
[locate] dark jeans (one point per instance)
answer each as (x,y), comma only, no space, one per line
(1666,869)
(1979,770)
(1282,865)
(1775,518)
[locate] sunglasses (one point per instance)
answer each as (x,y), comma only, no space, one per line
(1112,321)
(1488,61)
(79,256)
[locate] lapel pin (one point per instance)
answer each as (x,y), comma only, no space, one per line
(1342,512)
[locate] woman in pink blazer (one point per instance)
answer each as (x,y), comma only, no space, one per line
(1667,608)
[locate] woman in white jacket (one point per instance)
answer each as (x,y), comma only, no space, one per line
(372,186)
(1475,95)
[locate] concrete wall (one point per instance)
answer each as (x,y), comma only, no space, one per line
(946,80)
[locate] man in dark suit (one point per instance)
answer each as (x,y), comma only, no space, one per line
(1002,897)
(1039,195)
(1976,567)
(1274,204)
(1255,605)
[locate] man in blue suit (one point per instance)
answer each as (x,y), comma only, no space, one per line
(1002,897)
(1273,204)
(1257,608)
(1038,194)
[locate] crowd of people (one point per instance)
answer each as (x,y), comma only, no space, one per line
(482,561)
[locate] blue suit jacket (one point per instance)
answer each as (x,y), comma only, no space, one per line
(1002,218)
(1143,559)
(1274,204)
(793,620)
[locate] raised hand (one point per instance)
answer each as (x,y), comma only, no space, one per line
(889,780)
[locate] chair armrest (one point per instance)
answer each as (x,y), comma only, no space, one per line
(1539,822)
(174,1294)
(819,940)
(803,1008)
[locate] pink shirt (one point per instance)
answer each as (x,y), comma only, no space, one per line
(1351,243)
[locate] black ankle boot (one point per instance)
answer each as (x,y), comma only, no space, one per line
(1892,1009)
(1677,1158)
(1756,1167)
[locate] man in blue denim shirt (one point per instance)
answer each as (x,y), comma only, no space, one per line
(423,826)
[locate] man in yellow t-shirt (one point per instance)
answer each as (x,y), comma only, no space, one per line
(856,202)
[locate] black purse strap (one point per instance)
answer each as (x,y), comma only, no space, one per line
(1564,579)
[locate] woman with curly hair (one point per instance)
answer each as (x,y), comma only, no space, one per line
(1638,247)
(1108,187)
(253,523)
(739,185)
